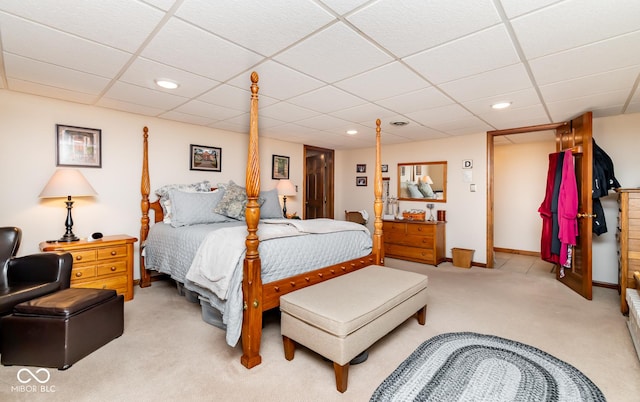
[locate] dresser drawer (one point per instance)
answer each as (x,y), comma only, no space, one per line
(115,282)
(112,267)
(409,240)
(83,272)
(82,256)
(394,227)
(421,230)
(112,252)
(412,253)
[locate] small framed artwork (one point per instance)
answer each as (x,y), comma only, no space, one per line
(361,181)
(78,146)
(280,168)
(418,170)
(205,158)
(361,168)
(385,168)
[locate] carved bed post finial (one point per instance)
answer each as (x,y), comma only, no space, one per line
(252,281)
(145,188)
(378,246)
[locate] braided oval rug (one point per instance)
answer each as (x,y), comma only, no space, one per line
(466,366)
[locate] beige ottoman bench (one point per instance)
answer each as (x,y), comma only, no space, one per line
(342,317)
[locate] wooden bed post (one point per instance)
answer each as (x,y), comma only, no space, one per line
(378,245)
(252,281)
(145,188)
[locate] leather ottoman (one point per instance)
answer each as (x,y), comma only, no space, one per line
(61,328)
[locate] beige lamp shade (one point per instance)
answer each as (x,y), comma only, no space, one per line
(67,182)
(286,188)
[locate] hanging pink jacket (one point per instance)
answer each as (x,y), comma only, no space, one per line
(567,206)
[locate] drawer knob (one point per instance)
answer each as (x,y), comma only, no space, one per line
(78,274)
(113,269)
(78,257)
(113,253)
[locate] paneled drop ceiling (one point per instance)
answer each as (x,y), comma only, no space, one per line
(327,66)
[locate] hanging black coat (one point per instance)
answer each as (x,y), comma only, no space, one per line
(603,180)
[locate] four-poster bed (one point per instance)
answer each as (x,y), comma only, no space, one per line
(256,296)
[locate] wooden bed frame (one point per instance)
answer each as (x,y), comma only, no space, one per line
(258,297)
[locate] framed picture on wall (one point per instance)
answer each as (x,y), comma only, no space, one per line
(78,146)
(280,167)
(205,158)
(385,168)
(361,168)
(361,181)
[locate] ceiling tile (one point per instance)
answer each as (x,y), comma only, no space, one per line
(389,80)
(234,98)
(321,57)
(482,51)
(122,24)
(367,112)
(409,27)
(143,72)
(622,79)
(323,122)
(574,23)
(128,107)
(204,109)
(514,8)
(432,117)
(597,58)
(425,98)
(186,118)
(567,109)
(278,81)
(49,91)
(343,6)
(270,26)
(181,45)
(287,112)
(519,99)
(516,117)
(40,43)
(51,75)
(326,100)
(142,96)
(504,80)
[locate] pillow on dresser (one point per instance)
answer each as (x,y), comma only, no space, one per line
(191,208)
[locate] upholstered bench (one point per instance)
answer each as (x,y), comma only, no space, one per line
(342,317)
(61,328)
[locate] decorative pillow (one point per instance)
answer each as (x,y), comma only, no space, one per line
(234,201)
(426,190)
(190,208)
(271,206)
(163,194)
(413,191)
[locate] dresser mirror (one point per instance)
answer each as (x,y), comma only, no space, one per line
(420,181)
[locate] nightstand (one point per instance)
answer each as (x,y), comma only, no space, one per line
(106,263)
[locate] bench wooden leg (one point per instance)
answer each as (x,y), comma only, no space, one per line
(342,376)
(422,315)
(289,347)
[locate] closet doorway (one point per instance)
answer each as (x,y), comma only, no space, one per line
(574,135)
(318,182)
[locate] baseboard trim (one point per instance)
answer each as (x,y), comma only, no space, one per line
(514,251)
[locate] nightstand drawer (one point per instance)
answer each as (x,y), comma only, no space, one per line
(112,268)
(112,252)
(81,256)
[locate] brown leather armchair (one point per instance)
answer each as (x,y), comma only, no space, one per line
(31,276)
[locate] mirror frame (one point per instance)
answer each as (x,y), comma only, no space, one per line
(444,181)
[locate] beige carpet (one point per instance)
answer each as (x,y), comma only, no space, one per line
(168,353)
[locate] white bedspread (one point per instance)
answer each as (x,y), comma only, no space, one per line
(221,251)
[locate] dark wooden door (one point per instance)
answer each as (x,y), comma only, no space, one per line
(315,187)
(577,137)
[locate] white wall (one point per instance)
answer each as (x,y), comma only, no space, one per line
(466,210)
(27,161)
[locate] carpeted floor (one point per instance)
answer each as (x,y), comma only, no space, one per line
(465,366)
(168,353)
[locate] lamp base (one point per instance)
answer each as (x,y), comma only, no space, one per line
(68,238)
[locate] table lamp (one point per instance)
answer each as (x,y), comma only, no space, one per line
(68,183)
(285,189)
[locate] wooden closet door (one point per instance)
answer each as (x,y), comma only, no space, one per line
(578,138)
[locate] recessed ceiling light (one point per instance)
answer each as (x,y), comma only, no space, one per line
(167,84)
(399,123)
(352,132)
(501,105)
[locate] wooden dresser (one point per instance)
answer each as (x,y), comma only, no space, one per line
(628,235)
(106,263)
(419,241)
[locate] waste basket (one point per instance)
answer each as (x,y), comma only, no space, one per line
(462,257)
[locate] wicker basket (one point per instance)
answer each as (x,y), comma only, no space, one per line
(414,216)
